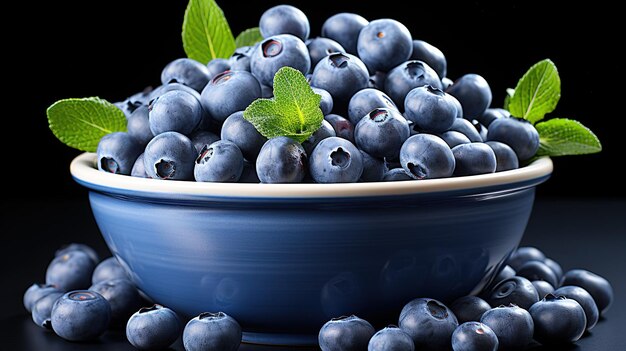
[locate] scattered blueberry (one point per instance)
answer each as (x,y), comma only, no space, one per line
(70,271)
(153,328)
(516,290)
(186,71)
(391,338)
(212,331)
(42,309)
(555,267)
(276,52)
(344,28)
(80,315)
(523,255)
(336,160)
(281,160)
(597,286)
(345,334)
(408,76)
(474,336)
(474,94)
(469,308)
(512,325)
(505,273)
(519,134)
(284,19)
(108,269)
(221,161)
(426,156)
(122,296)
(170,155)
(429,323)
(381,133)
(584,299)
(558,320)
(383,44)
(537,270)
(117,153)
(35,292)
(79,247)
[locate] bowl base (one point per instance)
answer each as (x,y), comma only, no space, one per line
(280,339)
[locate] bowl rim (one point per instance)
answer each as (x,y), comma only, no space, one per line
(84,171)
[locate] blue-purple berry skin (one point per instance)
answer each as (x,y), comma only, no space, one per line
(221,161)
(428,53)
(474,336)
(42,309)
(80,315)
(427,156)
(429,323)
(117,153)
(284,19)
(344,28)
(342,126)
(558,320)
(229,92)
(383,44)
(342,75)
(512,325)
(36,292)
(349,333)
(366,100)
(597,286)
(281,160)
(186,71)
(70,271)
(138,125)
(170,156)
(176,111)
(243,133)
(408,76)
(212,331)
(391,338)
(381,133)
(153,328)
(335,160)
(506,159)
(474,94)
(584,299)
(109,269)
(469,308)
(122,296)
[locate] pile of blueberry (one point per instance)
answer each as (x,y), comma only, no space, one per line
(82,298)
(390,112)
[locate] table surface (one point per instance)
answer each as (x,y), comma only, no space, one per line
(578,233)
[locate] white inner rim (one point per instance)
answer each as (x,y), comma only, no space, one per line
(83,168)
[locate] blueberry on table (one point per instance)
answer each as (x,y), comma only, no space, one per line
(122,296)
(284,19)
(408,76)
(108,269)
(517,133)
(139,168)
(383,44)
(423,51)
(322,47)
(80,315)
(373,168)
(42,309)
(281,160)
(474,336)
(584,299)
(117,153)
(326,104)
(381,133)
(170,156)
(427,156)
(396,175)
(505,273)
(344,28)
(278,51)
(36,292)
(229,92)
(524,254)
(597,286)
(453,138)
(515,290)
(466,127)
(391,338)
(335,160)
(217,66)
(512,325)
(543,288)
(537,270)
(199,138)
(78,247)
(343,127)
(506,158)
(153,328)
(555,267)
(70,271)
(138,125)
(345,334)
(469,308)
(366,100)
(212,331)
(429,323)
(342,75)
(243,133)
(324,131)
(558,320)
(430,109)
(473,158)
(176,111)
(186,71)
(474,94)
(221,161)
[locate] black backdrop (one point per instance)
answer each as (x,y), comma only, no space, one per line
(112,49)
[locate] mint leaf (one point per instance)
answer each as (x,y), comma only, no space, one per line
(249,37)
(293,112)
(537,93)
(206,34)
(561,136)
(80,123)
(507,98)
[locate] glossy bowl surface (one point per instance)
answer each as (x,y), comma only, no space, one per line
(283,259)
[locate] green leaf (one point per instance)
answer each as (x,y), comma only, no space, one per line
(537,93)
(561,136)
(80,123)
(293,112)
(249,37)
(507,98)
(206,34)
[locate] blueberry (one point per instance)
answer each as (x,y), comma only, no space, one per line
(474,336)
(505,273)
(108,269)
(584,299)
(240,59)
(543,288)
(78,247)
(324,131)
(429,323)
(366,100)
(469,308)
(344,28)
(473,158)
(243,133)
(430,109)
(284,19)
(516,290)
(335,160)
(459,110)
(212,331)
(426,156)
(490,115)
(199,138)
(395,175)
(512,325)
(80,315)
(139,168)
(446,83)
(166,88)
(248,175)
(453,138)
(138,125)
(322,47)
(176,111)
(506,159)
(267,92)
(474,94)
(537,270)
(186,71)
(42,309)
(383,44)
(555,267)
(423,51)
(143,96)
(373,168)
(276,52)
(598,287)
(408,76)
(229,92)
(221,161)
(558,320)
(377,80)
(170,155)
(524,254)
(464,126)
(127,106)
(117,153)
(35,292)
(281,160)
(345,334)
(381,133)
(217,66)
(519,134)
(391,338)
(122,296)
(153,328)
(326,104)
(70,271)
(340,74)
(482,130)
(343,127)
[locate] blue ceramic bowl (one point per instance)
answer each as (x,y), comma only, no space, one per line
(285,258)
